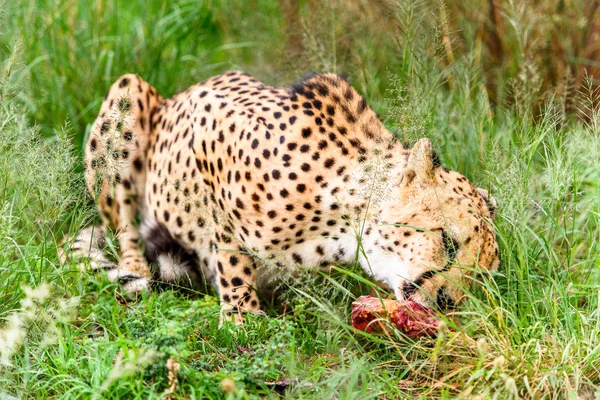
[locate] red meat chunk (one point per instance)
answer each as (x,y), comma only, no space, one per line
(414,320)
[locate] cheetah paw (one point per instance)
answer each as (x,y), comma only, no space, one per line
(130,282)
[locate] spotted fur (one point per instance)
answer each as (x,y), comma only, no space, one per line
(236,180)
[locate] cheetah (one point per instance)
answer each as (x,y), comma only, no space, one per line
(233,180)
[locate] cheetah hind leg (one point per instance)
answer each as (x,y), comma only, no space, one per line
(115,172)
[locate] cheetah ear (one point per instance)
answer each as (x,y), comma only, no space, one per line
(420,163)
(491,202)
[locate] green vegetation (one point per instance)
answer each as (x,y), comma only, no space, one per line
(487,91)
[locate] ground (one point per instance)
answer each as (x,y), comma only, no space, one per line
(67,334)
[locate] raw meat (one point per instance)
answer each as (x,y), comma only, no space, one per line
(414,320)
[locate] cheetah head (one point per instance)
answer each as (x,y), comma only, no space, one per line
(437,234)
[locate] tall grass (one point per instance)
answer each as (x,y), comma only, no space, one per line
(473,79)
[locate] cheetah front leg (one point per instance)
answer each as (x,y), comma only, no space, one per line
(115,171)
(236,279)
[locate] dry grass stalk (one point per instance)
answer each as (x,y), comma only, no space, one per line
(173,367)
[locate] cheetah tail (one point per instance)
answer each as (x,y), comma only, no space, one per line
(87,248)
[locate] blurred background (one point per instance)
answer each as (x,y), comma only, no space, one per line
(518,51)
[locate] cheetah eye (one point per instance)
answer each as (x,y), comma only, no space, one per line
(450,245)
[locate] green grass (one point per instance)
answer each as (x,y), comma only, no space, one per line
(531,330)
